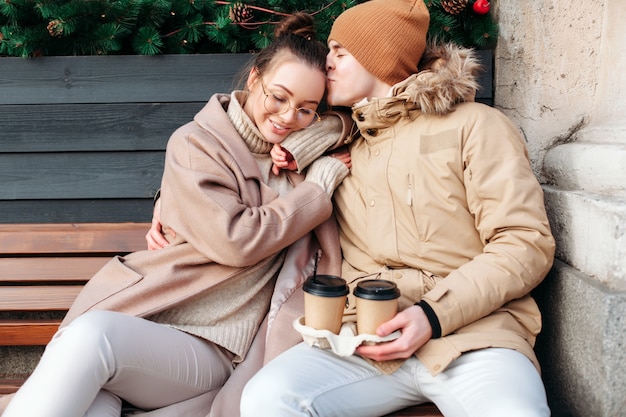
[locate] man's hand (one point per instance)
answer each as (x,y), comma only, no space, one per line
(155,236)
(416,331)
(343,156)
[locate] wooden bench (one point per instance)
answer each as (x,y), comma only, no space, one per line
(44,266)
(42,269)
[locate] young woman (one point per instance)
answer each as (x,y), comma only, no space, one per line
(163,330)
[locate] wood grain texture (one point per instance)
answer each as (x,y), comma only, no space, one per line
(43,267)
(101,238)
(58,210)
(117,78)
(93,127)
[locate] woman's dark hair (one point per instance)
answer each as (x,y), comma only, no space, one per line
(294,34)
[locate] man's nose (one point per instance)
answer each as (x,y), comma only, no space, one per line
(329,63)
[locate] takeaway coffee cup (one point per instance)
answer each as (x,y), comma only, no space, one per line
(325,298)
(376,302)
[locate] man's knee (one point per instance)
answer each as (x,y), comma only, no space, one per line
(257,398)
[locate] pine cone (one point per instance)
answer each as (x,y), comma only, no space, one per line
(55,27)
(454,6)
(239,13)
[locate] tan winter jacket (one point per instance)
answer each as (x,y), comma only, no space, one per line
(442,200)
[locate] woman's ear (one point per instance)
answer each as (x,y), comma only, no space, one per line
(252,77)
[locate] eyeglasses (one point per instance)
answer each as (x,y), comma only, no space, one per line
(276,103)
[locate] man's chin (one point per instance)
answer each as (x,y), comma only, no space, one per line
(337,100)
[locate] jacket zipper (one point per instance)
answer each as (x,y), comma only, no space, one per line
(409,194)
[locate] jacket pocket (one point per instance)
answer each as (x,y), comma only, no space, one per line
(110,280)
(114,277)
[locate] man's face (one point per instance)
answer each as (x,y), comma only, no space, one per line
(348,81)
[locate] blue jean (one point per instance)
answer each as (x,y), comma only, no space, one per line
(103,357)
(307,381)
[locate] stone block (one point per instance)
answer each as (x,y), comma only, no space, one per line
(582,347)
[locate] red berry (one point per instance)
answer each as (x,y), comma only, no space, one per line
(481,6)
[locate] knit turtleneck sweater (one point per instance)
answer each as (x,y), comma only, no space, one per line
(230,315)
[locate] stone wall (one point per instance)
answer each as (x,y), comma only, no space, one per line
(561,76)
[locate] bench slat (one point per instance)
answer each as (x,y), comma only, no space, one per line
(50,269)
(38,298)
(26,239)
(27,333)
(9,386)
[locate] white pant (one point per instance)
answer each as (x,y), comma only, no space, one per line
(307,381)
(103,357)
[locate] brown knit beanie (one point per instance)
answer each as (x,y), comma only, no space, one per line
(387,37)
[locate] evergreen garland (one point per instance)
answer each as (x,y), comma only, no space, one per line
(30,28)
(463,26)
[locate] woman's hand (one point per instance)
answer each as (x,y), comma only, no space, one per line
(416,331)
(155,236)
(282,159)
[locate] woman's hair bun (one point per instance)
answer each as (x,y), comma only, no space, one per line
(294,35)
(299,23)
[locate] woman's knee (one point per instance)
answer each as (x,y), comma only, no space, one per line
(89,332)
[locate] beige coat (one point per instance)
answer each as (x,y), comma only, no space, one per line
(442,200)
(226,220)
(225,217)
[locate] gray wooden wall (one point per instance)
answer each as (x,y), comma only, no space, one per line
(82,139)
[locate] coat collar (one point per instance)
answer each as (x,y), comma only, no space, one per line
(214,119)
(448,77)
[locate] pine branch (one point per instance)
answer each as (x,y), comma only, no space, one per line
(68,27)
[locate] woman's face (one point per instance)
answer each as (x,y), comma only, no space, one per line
(298,86)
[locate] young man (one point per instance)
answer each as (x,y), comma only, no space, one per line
(441,200)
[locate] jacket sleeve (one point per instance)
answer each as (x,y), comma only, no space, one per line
(507,203)
(232,218)
(327,235)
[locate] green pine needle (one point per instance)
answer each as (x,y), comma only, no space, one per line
(147,41)
(149,27)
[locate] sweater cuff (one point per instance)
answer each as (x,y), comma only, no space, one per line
(327,172)
(432,318)
(308,144)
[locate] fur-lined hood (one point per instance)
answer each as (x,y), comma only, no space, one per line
(448,75)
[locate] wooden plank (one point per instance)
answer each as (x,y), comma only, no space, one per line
(72,238)
(80,211)
(9,386)
(50,269)
(80,174)
(27,333)
(118,79)
(38,298)
(92,127)
(485,79)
